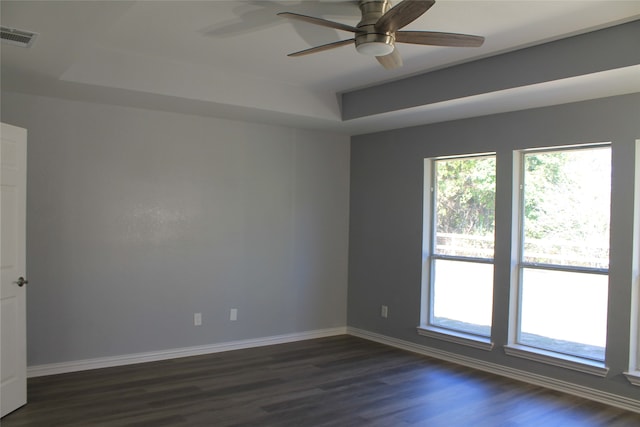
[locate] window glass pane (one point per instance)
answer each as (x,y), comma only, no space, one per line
(564,312)
(463,296)
(465,205)
(566,207)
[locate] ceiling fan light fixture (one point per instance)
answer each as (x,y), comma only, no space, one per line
(375,44)
(375,48)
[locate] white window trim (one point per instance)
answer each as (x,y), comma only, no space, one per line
(427,225)
(633,375)
(469,340)
(428,236)
(557,359)
(513,348)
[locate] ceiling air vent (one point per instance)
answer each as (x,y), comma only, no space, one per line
(16,37)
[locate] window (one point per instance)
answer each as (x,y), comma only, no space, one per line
(633,375)
(458,244)
(564,251)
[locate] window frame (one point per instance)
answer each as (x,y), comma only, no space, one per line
(514,347)
(633,375)
(430,256)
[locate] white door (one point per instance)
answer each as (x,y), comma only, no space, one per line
(13,340)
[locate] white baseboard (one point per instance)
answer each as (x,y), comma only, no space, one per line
(528,377)
(516,374)
(130,359)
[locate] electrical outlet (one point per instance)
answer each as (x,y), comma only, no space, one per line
(384,311)
(233,314)
(197,319)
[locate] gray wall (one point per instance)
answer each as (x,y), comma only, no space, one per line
(137,219)
(386,221)
(579,55)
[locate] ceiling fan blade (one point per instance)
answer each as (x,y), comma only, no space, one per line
(318,21)
(322,47)
(390,61)
(434,38)
(402,14)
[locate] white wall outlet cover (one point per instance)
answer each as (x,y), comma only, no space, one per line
(197,319)
(233,314)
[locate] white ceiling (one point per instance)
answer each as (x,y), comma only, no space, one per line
(228,58)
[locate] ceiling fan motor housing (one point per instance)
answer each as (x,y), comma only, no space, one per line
(370,41)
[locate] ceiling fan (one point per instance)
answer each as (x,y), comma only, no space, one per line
(378,31)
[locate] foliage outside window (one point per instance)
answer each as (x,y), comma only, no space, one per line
(564,253)
(462,244)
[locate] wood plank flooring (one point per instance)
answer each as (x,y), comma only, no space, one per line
(335,381)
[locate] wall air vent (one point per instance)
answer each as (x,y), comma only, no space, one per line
(16,37)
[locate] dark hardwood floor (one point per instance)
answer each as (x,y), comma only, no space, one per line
(336,381)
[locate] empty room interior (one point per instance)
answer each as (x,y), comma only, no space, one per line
(316,213)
